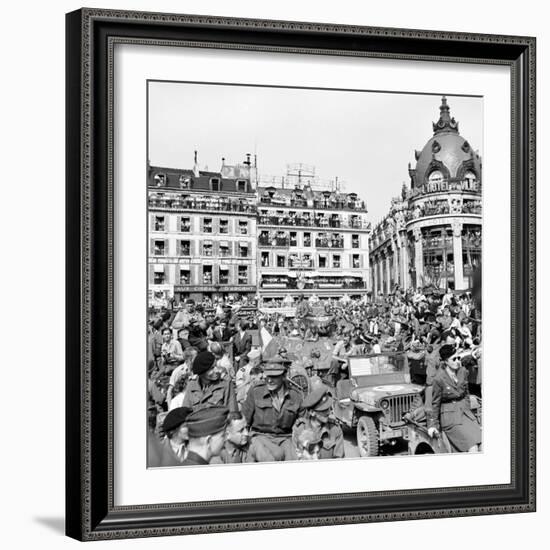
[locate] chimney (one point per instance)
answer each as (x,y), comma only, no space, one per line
(196,167)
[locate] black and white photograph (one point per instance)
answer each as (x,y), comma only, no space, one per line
(314,273)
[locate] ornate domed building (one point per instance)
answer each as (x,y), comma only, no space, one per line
(432,234)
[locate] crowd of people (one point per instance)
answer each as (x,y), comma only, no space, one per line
(216,396)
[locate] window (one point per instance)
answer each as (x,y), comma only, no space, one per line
(355,241)
(224,276)
(185,182)
(159,223)
(293,238)
(241,185)
(355,221)
(160,180)
(322,261)
(243,228)
(470,179)
(265,259)
(215,184)
(243,250)
(185,225)
(185,277)
(207,249)
(280,261)
(336,261)
(243,275)
(307,260)
(355,261)
(185,248)
(207,274)
(207,226)
(159,278)
(224,227)
(224,249)
(435,177)
(307,239)
(159,248)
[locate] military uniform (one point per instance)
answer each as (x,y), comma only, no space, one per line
(451,410)
(270,423)
(193,459)
(217,393)
(332,440)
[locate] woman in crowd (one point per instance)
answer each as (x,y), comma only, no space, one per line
(451,412)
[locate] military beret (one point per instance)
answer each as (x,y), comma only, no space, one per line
(207,421)
(446,351)
(175,418)
(203,361)
(318,400)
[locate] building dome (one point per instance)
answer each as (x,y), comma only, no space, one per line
(447,155)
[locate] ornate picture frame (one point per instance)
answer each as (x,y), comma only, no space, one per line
(90,252)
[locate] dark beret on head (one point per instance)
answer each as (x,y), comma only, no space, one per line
(176,417)
(207,421)
(446,351)
(203,361)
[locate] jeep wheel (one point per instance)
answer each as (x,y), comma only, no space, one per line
(367,436)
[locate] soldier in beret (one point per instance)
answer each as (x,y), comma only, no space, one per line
(206,432)
(174,450)
(271,408)
(317,417)
(206,387)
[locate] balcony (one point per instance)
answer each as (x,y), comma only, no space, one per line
(213,205)
(279,242)
(329,243)
(318,204)
(305,221)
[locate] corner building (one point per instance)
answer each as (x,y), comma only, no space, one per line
(432,233)
(311,241)
(202,233)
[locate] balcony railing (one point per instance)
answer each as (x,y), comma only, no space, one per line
(274,241)
(324,205)
(291,283)
(197,204)
(300,221)
(329,243)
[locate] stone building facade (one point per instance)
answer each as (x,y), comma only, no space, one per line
(432,233)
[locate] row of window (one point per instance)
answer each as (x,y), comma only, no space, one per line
(307,261)
(306,240)
(187,182)
(209,249)
(208,275)
(207,225)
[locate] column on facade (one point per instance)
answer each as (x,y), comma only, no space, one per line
(396,259)
(375,282)
(404,260)
(388,276)
(457,255)
(418,257)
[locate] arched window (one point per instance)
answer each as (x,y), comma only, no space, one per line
(435,177)
(185,182)
(160,180)
(470,179)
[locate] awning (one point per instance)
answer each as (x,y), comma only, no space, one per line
(224,243)
(244,244)
(159,268)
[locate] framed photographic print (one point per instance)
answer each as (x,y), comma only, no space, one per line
(300,274)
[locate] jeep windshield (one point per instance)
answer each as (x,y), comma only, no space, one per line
(368,370)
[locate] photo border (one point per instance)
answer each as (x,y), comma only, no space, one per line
(91,36)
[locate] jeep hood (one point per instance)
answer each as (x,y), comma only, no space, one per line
(372,394)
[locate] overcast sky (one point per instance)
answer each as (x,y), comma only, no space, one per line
(365,138)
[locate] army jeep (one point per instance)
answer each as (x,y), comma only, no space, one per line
(375,399)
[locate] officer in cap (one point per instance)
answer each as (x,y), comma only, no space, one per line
(206,387)
(174,444)
(271,408)
(318,417)
(206,432)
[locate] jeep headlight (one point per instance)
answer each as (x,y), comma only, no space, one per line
(384,404)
